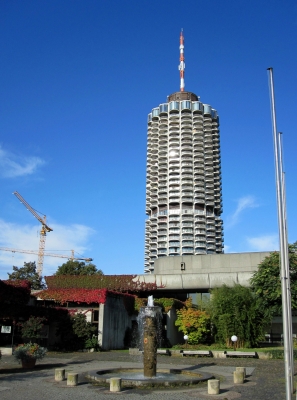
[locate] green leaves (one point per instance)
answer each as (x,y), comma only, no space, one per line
(266,283)
(72,267)
(194,323)
(32,328)
(119,283)
(27,272)
(234,312)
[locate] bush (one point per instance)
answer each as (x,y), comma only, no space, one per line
(32,329)
(75,331)
(234,312)
(194,323)
(92,343)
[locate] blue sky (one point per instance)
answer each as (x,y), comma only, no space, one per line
(78,79)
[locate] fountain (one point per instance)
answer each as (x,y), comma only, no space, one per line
(150,318)
(150,328)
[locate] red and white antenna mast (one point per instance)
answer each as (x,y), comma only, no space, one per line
(182,64)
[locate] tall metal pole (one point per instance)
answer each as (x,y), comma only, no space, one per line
(286,256)
(283,273)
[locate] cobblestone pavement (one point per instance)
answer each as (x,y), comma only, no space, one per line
(265,379)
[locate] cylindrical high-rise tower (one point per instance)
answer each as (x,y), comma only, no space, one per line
(183,182)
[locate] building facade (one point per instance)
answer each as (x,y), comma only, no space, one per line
(183,181)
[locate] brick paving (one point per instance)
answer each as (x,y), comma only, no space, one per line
(265,380)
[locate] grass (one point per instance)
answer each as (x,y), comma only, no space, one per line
(219,347)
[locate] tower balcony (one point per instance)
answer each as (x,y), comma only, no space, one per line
(186,135)
(174,115)
(187,157)
(200,231)
(187,181)
(187,175)
(187,218)
(200,226)
(199,248)
(186,152)
(199,188)
(173,181)
(187,211)
(198,145)
(198,137)
(162,200)
(174,223)
(187,251)
(208,147)
(186,142)
(173,199)
(200,217)
(197,108)
(174,251)
(173,130)
(174,239)
(187,199)
(162,191)
(199,173)
(174,137)
(199,198)
(187,193)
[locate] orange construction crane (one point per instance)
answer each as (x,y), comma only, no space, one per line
(47,254)
(44,228)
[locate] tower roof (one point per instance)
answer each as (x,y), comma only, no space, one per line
(177,96)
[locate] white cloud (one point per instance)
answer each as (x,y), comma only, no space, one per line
(26,237)
(242,204)
(12,166)
(227,248)
(264,243)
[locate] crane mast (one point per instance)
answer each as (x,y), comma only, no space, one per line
(44,229)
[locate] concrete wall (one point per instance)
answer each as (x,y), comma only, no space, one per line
(172,333)
(113,323)
(204,271)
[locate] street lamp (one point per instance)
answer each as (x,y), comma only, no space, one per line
(186,337)
(234,340)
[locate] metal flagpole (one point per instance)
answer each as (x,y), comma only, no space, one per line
(283,272)
(286,257)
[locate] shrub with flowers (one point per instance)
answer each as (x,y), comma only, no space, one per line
(29,351)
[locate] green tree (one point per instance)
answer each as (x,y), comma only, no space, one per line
(72,267)
(194,323)
(27,272)
(266,283)
(234,311)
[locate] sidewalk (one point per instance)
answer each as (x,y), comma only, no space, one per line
(265,378)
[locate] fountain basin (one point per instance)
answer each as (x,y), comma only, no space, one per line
(134,377)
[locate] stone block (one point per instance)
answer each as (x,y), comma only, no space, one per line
(213,386)
(242,369)
(59,374)
(72,379)
(115,384)
(238,377)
